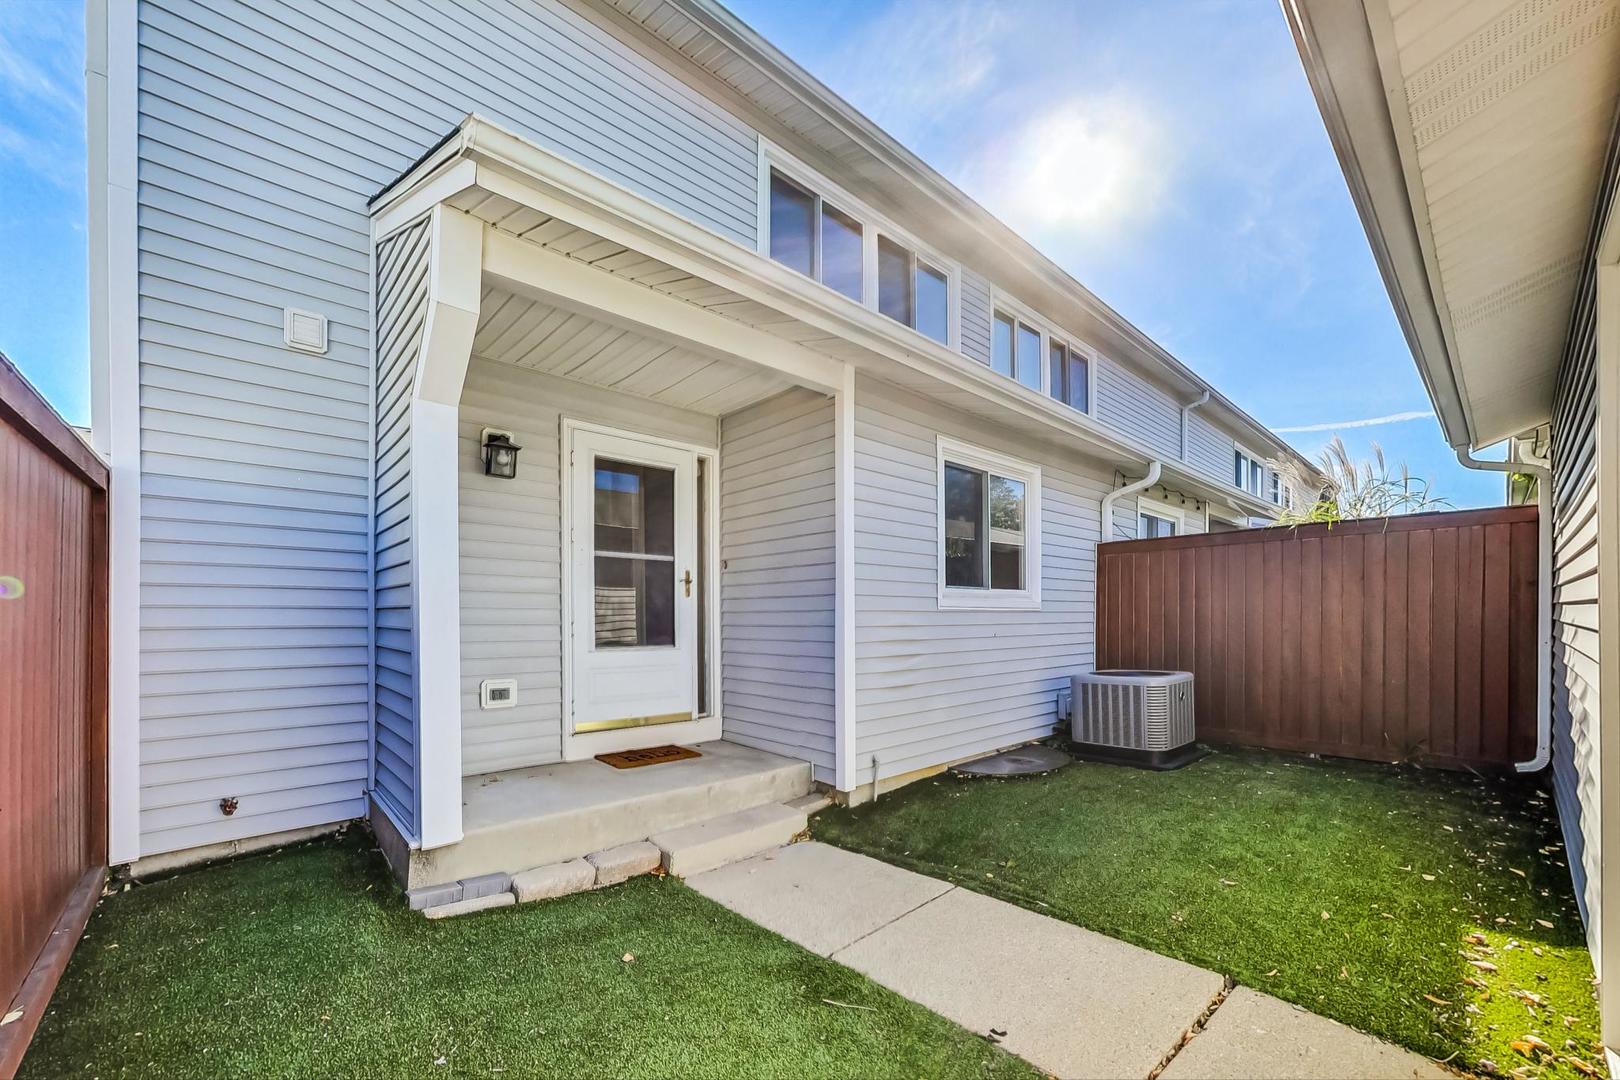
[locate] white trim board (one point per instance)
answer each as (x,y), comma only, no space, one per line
(110,94)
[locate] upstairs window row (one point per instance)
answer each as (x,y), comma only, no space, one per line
(833,246)
(1015,351)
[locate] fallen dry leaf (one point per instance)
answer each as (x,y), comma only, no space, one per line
(1428,877)
(1523,1047)
(1271,974)
(629,957)
(1580,1066)
(1435,1000)
(11,1017)
(1475,939)
(1483,965)
(1516,870)
(1544,923)
(1325,915)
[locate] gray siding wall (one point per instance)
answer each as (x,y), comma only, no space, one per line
(1130,403)
(1575,594)
(932,685)
(976,314)
(511,549)
(264,128)
(402,269)
(1210,450)
(778,544)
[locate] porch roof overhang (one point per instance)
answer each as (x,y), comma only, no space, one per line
(558,232)
(1472,137)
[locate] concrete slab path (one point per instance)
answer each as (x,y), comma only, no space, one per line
(1069,1001)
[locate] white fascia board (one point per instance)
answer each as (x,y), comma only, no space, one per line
(110,99)
(1364,113)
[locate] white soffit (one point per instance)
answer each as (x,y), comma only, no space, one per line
(1503,111)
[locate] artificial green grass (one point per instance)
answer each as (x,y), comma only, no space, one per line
(1345,888)
(307,963)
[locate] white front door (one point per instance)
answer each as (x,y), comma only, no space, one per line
(634,563)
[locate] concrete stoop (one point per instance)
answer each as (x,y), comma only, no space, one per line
(691,849)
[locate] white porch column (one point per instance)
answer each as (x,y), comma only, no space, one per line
(844,595)
(454,284)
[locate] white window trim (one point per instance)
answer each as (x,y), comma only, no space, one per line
(774,157)
(1177,514)
(1265,470)
(957,598)
(1004,303)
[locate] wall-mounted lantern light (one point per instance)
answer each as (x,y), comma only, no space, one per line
(500,454)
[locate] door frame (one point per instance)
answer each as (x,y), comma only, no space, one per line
(707,726)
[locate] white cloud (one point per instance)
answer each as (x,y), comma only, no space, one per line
(1089,165)
(1371,421)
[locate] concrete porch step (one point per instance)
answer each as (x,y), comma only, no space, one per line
(729,838)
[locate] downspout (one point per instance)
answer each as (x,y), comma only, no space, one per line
(1186,411)
(1107,525)
(1544,592)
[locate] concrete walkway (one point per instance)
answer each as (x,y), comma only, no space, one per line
(1070,1002)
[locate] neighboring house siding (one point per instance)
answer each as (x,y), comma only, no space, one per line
(1129,403)
(511,549)
(1575,477)
(402,268)
(975,317)
(778,545)
(264,129)
(938,685)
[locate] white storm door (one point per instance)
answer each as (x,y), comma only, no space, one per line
(633,565)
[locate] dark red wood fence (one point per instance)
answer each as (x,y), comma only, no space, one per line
(53,700)
(1408,638)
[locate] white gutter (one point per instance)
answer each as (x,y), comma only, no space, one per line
(1544,592)
(1186,411)
(1143,484)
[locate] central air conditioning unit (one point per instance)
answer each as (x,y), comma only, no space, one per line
(1142,718)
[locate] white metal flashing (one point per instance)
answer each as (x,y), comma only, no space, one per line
(110,98)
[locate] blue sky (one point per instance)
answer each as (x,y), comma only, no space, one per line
(1169,155)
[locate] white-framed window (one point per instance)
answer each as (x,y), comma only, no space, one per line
(1023,348)
(989,529)
(1274,487)
(1155,519)
(1248,471)
(809,224)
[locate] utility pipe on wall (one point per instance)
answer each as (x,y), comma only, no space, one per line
(1107,524)
(1544,592)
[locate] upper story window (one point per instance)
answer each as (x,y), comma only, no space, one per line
(816,238)
(1015,350)
(1248,471)
(824,234)
(1275,483)
(1069,375)
(990,529)
(913,291)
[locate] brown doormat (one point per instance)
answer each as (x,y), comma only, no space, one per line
(653,755)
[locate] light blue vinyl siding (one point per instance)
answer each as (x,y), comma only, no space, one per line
(935,685)
(264,128)
(1129,403)
(777,593)
(975,317)
(402,269)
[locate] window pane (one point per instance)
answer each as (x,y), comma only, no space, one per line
(1079,385)
(1001,345)
(1006,533)
(964,527)
(894,280)
(1152,525)
(933,303)
(792,224)
(1007,566)
(635,602)
(1254,477)
(635,508)
(1242,468)
(1057,371)
(1029,356)
(840,252)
